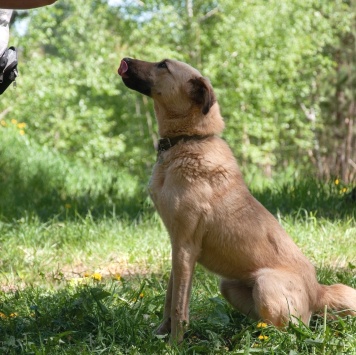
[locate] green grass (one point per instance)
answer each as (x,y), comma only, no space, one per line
(85,262)
(119,317)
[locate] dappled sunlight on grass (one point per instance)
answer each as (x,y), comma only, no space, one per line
(38,252)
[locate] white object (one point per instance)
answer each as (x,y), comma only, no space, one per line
(5,16)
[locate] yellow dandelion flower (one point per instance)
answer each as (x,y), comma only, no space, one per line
(344,190)
(117,277)
(21,125)
(337,182)
(3,123)
(13,315)
(13,121)
(22,132)
(261,325)
(263,337)
(96,276)
(141,295)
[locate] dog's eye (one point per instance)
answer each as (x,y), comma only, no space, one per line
(162,64)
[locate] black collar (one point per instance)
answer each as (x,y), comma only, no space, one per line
(167,143)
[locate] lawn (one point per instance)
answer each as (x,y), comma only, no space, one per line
(85,262)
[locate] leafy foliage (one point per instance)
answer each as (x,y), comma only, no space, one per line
(274,67)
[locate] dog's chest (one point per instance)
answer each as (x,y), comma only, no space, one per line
(184,179)
(189,167)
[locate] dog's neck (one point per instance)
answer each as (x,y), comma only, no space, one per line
(165,144)
(194,123)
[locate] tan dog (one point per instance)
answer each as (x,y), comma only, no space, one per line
(210,214)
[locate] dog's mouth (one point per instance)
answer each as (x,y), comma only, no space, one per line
(133,75)
(123,68)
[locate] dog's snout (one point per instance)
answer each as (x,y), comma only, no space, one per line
(134,75)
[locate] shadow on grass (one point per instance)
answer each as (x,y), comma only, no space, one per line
(35,181)
(310,197)
(47,203)
(42,197)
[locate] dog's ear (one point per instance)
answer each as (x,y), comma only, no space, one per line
(201,92)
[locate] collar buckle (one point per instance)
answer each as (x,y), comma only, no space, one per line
(164,144)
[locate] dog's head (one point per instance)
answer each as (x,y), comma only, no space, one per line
(179,92)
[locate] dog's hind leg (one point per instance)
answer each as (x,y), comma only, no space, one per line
(281,296)
(239,296)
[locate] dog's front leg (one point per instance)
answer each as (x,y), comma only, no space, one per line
(183,261)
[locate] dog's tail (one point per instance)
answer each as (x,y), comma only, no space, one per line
(340,298)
